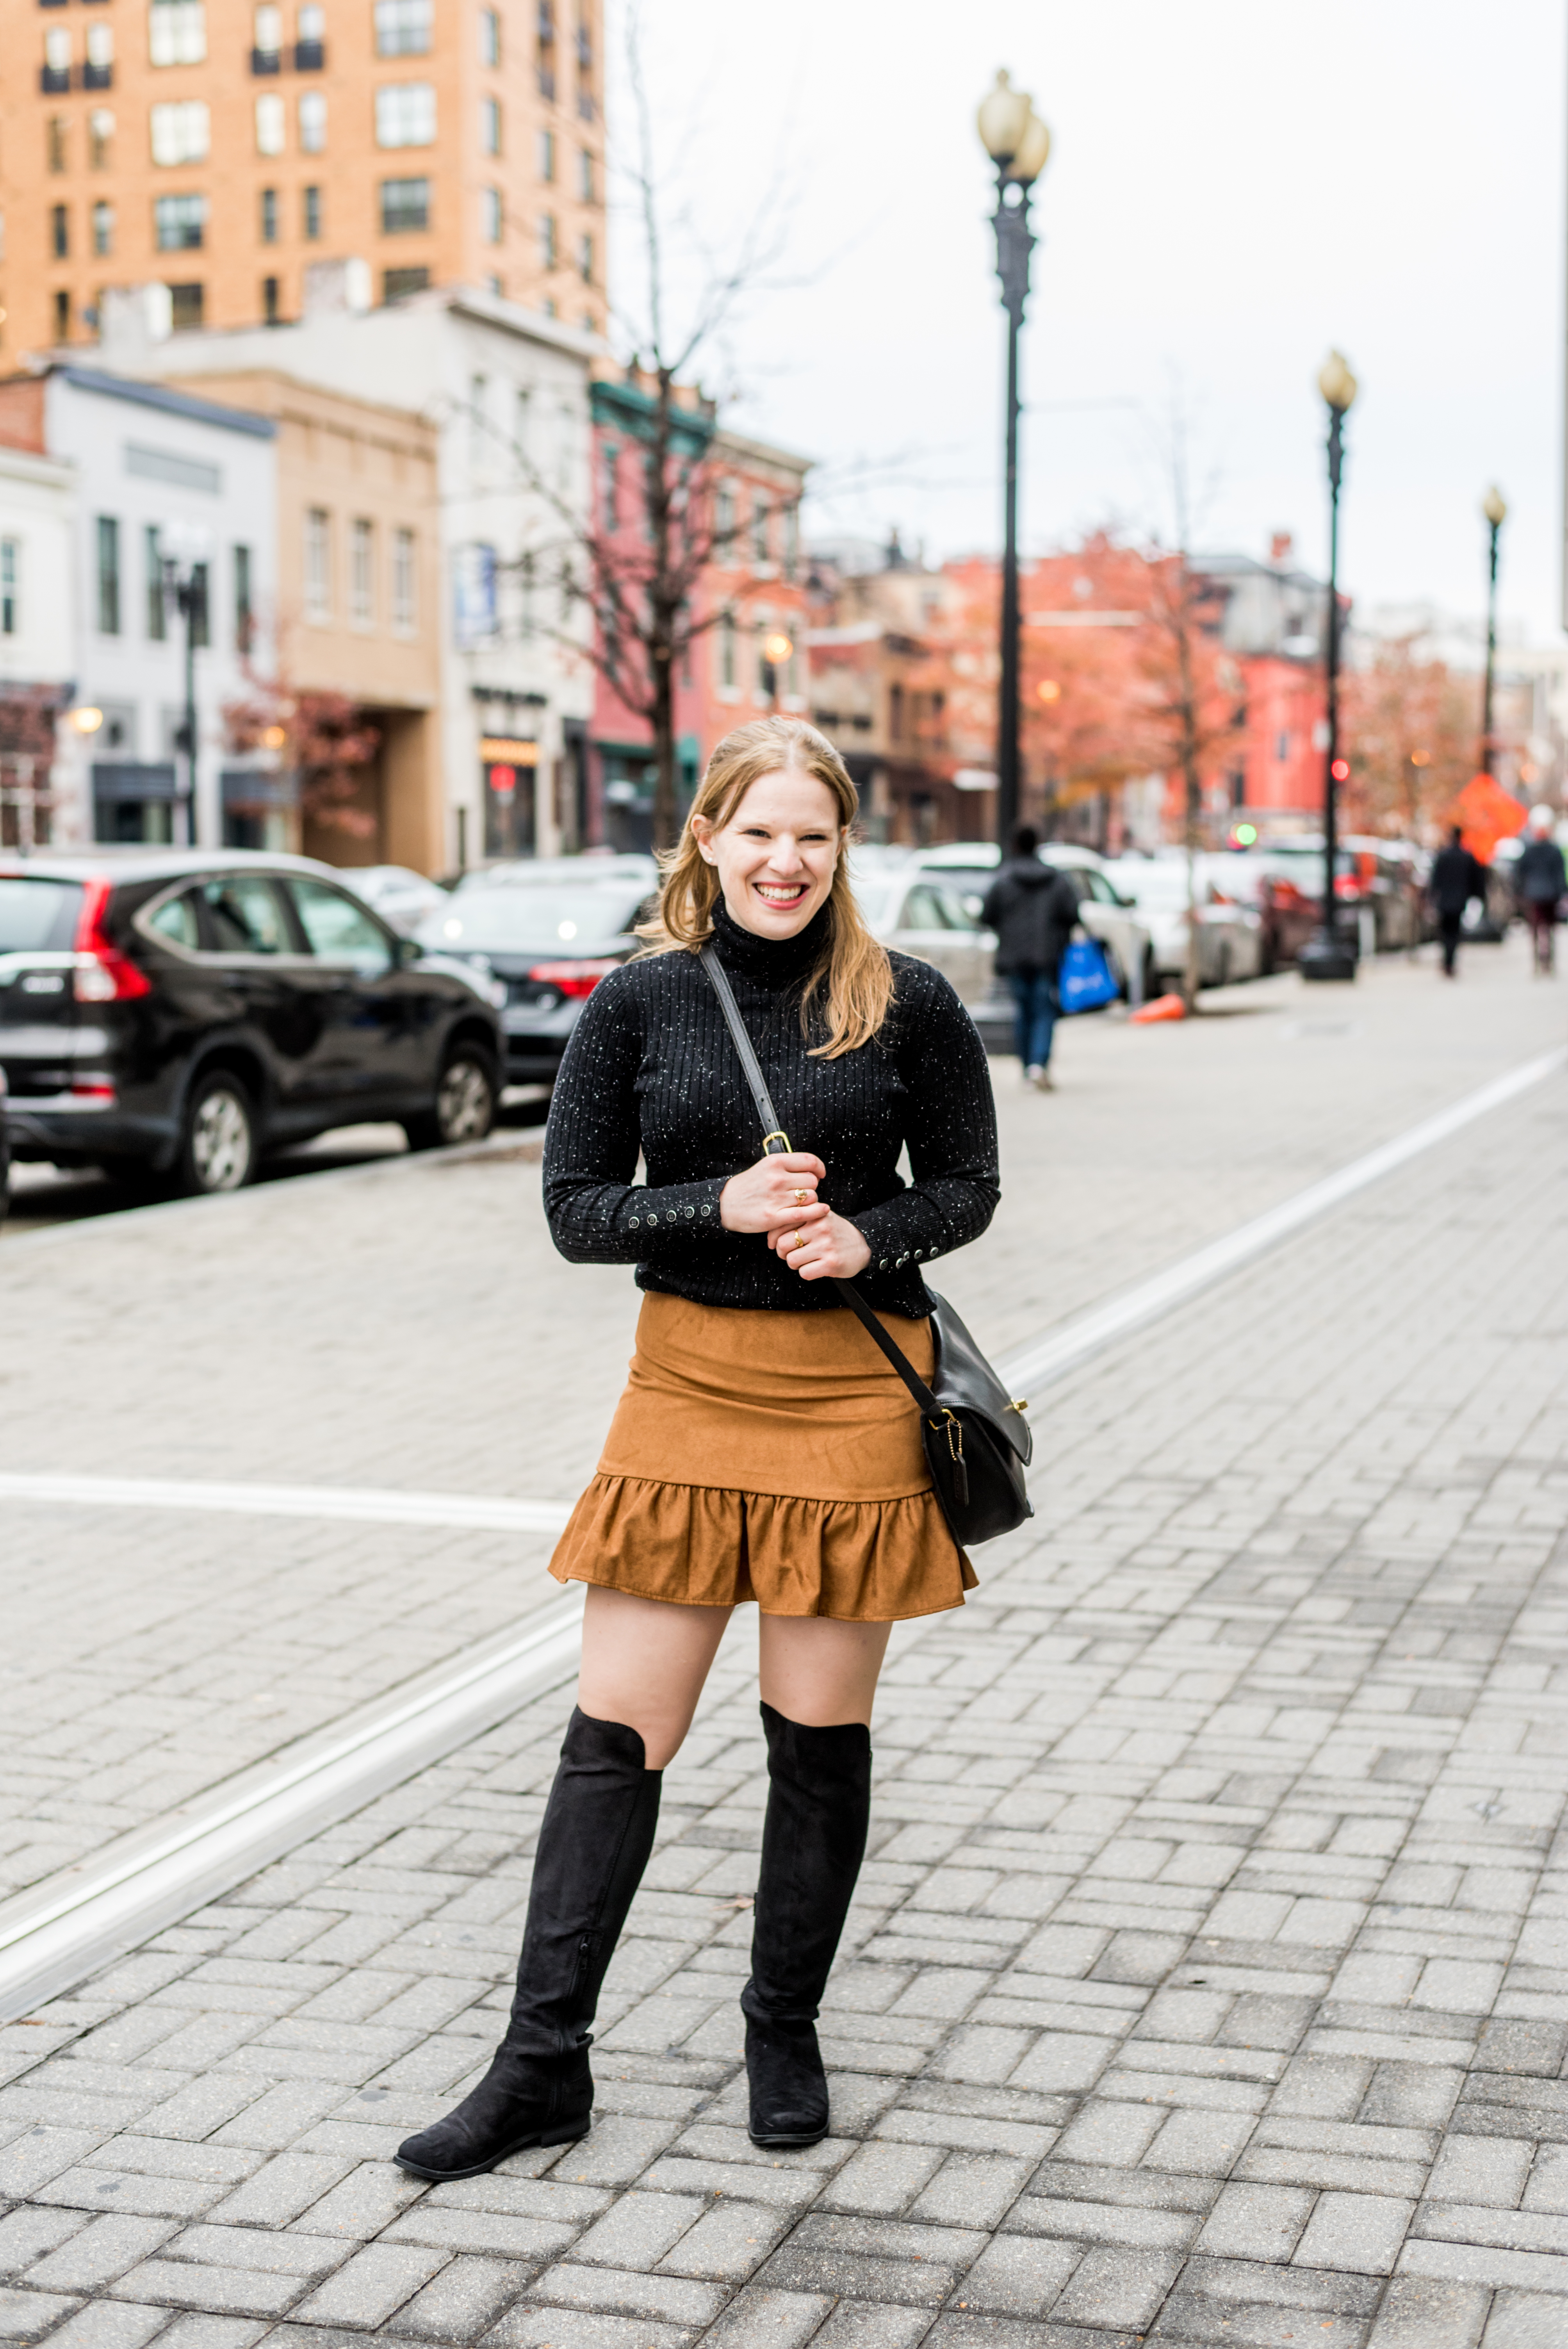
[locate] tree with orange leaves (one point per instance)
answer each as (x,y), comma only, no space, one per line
(1410,728)
(322,737)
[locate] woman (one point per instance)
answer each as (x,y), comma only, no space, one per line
(763,1449)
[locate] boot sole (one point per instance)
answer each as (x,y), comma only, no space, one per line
(566,2136)
(806,2137)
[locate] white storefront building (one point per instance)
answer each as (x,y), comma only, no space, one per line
(38,633)
(159,476)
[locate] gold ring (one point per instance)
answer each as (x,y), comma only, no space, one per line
(795,1243)
(801,1197)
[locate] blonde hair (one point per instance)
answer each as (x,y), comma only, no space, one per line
(849,986)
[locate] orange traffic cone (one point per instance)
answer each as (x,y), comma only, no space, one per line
(1164,1007)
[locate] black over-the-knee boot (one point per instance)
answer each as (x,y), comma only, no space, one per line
(594,1845)
(813,1840)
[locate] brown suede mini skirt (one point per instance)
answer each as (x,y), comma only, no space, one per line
(768,1456)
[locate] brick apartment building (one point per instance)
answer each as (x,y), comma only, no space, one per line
(224,149)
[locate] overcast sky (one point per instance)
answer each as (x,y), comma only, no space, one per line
(1236,185)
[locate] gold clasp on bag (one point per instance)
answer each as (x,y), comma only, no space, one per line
(1020,1406)
(769,1139)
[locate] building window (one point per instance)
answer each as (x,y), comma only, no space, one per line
(585,259)
(362,572)
(723,516)
(188,305)
(103,228)
(318,564)
(58,137)
(272,305)
(272,120)
(405,205)
(57,59)
(490,126)
(402,28)
(10,587)
(546,155)
(313,123)
(152,571)
(201,603)
(177,31)
(761,532)
(310,49)
(546,49)
(585,71)
(396,284)
(491,216)
(59,231)
(478,419)
(585,180)
(62,316)
(99,70)
(101,132)
(489,38)
(547,240)
(266,53)
(310,215)
(612,482)
(404,589)
(108,575)
(406,115)
(181,131)
(179,224)
(269,216)
(791,541)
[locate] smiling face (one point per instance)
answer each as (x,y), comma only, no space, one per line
(776,852)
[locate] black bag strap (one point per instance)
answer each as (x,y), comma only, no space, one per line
(775,1143)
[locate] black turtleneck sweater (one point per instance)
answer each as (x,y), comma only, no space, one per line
(651,1071)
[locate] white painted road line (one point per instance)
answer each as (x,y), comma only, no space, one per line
(59,1931)
(366,1505)
(1049,1358)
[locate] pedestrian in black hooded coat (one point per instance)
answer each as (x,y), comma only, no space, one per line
(1033,908)
(1457,876)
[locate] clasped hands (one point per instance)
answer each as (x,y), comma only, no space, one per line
(779,1196)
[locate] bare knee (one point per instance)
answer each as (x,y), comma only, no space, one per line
(643,1664)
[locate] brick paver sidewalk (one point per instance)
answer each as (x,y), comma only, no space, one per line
(1209,1979)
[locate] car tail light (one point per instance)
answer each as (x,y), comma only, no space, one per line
(1348,885)
(92,1088)
(104,975)
(572,978)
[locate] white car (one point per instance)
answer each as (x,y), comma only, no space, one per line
(917,914)
(971,865)
(1231,942)
(396,892)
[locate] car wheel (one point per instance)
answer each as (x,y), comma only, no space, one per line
(465,1104)
(218,1146)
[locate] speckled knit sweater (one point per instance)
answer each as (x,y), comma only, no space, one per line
(650,1069)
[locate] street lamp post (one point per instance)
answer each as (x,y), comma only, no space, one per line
(183,552)
(1019,143)
(1325,954)
(1494,506)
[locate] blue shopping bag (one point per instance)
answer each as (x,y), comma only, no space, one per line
(1084,981)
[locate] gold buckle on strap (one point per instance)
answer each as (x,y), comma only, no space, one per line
(769,1139)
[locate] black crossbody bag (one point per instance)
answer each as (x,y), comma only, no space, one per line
(977,1439)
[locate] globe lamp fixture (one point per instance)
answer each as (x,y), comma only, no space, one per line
(1004,118)
(1494,506)
(1336,383)
(86,719)
(776,647)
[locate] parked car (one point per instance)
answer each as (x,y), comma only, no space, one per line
(172,1014)
(396,892)
(5,1152)
(918,914)
(1378,890)
(547,936)
(970,866)
(1230,932)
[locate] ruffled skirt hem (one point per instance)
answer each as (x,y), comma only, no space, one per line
(711,1546)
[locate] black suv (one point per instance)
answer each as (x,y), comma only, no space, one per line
(169,1014)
